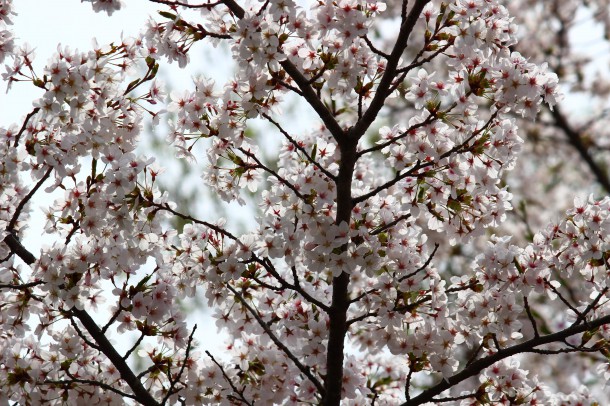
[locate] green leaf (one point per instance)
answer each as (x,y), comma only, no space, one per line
(168,15)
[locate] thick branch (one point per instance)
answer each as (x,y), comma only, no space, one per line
(107,348)
(314,101)
(13,243)
(340,299)
(477,366)
(141,394)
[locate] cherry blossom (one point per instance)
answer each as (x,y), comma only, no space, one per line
(384,264)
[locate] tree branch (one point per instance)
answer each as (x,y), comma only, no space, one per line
(477,366)
(299,147)
(229,381)
(173,382)
(24,126)
(92,383)
(302,82)
(142,395)
(304,369)
(576,141)
(381,93)
(172,3)
(26,199)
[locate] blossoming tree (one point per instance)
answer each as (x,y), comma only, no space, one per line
(347,292)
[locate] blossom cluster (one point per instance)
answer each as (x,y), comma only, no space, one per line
(334,207)
(7,42)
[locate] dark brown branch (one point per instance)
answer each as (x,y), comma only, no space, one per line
(134,346)
(173,382)
(531,316)
(381,146)
(114,316)
(24,126)
(419,62)
(421,268)
(26,199)
(373,48)
(454,398)
(391,224)
(273,173)
(229,381)
(219,230)
(15,245)
(564,300)
(371,291)
(24,286)
(314,101)
(477,366)
(463,147)
(266,285)
(411,172)
(92,383)
(564,351)
(361,317)
(172,3)
(296,286)
(591,306)
(381,93)
(408,383)
(80,333)
(302,82)
(299,147)
(337,313)
(141,394)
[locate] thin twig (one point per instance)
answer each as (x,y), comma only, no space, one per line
(216,228)
(421,268)
(135,346)
(26,199)
(224,374)
(24,286)
(391,224)
(273,173)
(373,48)
(24,126)
(406,28)
(299,147)
(531,316)
(591,305)
(304,369)
(92,383)
(554,289)
(173,3)
(173,382)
